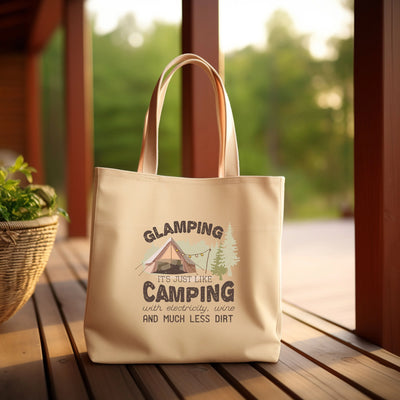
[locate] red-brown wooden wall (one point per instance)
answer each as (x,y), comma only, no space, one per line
(12,102)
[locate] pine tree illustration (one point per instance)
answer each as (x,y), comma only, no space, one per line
(218,265)
(230,250)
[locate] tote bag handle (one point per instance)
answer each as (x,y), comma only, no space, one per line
(228,163)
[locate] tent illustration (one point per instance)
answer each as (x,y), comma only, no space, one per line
(169,259)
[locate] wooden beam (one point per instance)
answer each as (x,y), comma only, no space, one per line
(78,116)
(47,18)
(15,6)
(377,171)
(13,102)
(33,143)
(12,21)
(199,124)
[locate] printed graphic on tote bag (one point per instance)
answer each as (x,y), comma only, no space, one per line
(189,280)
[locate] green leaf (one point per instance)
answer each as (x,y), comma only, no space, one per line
(25,203)
(23,168)
(18,163)
(64,213)
(28,176)
(3,176)
(11,184)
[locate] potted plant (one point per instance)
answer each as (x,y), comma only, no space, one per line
(28,227)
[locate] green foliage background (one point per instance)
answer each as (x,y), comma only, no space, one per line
(293,113)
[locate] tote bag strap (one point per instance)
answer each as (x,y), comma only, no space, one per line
(228,156)
(228,152)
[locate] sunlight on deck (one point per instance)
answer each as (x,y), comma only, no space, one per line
(318,268)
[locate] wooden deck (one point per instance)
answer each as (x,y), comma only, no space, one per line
(43,355)
(318,268)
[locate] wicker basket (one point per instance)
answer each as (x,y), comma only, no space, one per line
(25,247)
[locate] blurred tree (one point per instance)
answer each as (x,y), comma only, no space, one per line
(293,113)
(53,112)
(278,95)
(126,65)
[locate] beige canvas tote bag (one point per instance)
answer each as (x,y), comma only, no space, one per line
(185,270)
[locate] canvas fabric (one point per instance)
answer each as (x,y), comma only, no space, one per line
(185,270)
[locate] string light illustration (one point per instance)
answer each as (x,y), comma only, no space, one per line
(201,254)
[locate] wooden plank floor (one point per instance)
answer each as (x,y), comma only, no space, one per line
(43,355)
(318,267)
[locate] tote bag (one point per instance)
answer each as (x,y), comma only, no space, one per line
(185,270)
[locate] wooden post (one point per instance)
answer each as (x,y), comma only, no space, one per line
(199,123)
(377,171)
(33,144)
(47,18)
(78,116)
